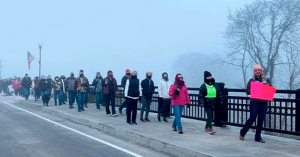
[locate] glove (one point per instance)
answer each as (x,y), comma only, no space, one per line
(188,105)
(140,99)
(201,105)
(177,91)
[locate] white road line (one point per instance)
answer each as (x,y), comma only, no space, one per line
(81,133)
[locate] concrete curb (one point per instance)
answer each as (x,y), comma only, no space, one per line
(155,144)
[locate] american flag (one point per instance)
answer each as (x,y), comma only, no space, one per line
(30,59)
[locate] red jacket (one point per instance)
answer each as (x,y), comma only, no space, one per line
(16,84)
(181,99)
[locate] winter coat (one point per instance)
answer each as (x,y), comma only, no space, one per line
(133,89)
(203,94)
(147,88)
(163,89)
(44,85)
(248,91)
(26,83)
(71,84)
(181,99)
(109,83)
(97,83)
(16,85)
(82,84)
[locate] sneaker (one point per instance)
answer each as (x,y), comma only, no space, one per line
(158,117)
(142,120)
(174,128)
(212,131)
(129,123)
(207,129)
(134,123)
(79,110)
(165,120)
(108,115)
(86,106)
(98,110)
(120,111)
(114,115)
(82,109)
(147,120)
(261,141)
(242,138)
(180,132)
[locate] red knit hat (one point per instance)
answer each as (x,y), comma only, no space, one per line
(127,71)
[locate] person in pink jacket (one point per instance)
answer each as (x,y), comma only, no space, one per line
(180,97)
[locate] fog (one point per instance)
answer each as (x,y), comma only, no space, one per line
(114,35)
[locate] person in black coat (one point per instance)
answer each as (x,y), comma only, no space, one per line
(147,92)
(26,84)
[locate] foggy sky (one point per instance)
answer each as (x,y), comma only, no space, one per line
(104,35)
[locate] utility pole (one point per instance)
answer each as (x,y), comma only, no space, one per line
(40,61)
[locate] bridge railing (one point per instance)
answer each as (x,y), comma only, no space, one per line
(283,115)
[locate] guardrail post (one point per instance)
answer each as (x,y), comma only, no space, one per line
(297,111)
(220,111)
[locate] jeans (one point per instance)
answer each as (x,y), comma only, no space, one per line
(71,98)
(110,99)
(81,96)
(37,93)
(131,108)
(259,109)
(124,104)
(177,113)
(44,96)
(86,99)
(58,95)
(26,93)
(164,104)
(145,105)
(209,117)
(99,99)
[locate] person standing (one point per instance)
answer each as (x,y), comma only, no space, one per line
(16,86)
(163,94)
(57,91)
(44,86)
(110,90)
(71,85)
(133,95)
(257,107)
(209,95)
(63,88)
(97,83)
(180,97)
(123,83)
(37,92)
(26,84)
(147,91)
(82,84)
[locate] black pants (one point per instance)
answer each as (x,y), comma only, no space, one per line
(110,99)
(37,93)
(165,103)
(16,92)
(131,108)
(124,104)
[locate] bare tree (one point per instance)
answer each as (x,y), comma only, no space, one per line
(261,28)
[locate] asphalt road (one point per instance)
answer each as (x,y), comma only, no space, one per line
(23,134)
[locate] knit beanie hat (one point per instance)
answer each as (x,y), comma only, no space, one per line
(206,74)
(98,73)
(109,72)
(127,71)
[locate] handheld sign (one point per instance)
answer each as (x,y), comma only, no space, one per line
(262,91)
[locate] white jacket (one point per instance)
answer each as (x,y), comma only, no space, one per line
(163,89)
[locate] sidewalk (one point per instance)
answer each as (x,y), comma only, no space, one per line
(159,136)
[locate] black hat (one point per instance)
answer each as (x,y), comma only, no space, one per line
(206,74)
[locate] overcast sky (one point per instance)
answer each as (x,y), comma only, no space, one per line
(102,35)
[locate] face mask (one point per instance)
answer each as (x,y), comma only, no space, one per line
(210,81)
(128,74)
(166,78)
(81,75)
(72,75)
(110,75)
(149,77)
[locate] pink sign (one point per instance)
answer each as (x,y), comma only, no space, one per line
(262,91)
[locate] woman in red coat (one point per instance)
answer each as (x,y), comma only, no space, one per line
(16,86)
(180,97)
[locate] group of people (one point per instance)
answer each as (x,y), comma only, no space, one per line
(170,93)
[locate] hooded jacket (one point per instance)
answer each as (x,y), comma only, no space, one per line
(163,89)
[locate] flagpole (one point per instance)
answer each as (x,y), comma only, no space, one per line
(40,62)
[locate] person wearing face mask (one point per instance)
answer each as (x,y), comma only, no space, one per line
(209,95)
(82,85)
(164,98)
(57,92)
(180,97)
(63,88)
(147,92)
(133,95)
(257,107)
(71,85)
(123,83)
(110,90)
(97,83)
(26,84)
(44,86)
(36,88)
